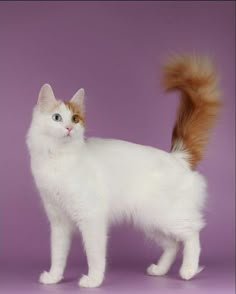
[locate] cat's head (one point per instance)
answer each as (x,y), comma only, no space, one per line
(62,121)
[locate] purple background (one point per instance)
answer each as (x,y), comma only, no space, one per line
(114,50)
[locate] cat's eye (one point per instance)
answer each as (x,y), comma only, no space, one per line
(75,118)
(57,117)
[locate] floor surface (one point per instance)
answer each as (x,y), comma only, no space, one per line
(214,279)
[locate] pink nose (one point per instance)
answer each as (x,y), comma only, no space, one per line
(69,129)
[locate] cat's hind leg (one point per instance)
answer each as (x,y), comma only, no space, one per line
(191,252)
(170,249)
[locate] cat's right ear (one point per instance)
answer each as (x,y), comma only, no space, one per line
(46,98)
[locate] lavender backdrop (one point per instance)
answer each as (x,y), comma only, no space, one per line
(113,50)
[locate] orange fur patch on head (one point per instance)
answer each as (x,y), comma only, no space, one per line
(75,110)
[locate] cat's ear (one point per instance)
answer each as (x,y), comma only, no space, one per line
(78,99)
(46,98)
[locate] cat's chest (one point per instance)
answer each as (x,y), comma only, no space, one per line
(57,176)
(73,184)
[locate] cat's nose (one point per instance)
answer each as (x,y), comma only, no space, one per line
(69,128)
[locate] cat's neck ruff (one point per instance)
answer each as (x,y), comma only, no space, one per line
(48,147)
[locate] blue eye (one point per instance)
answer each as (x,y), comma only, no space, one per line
(57,117)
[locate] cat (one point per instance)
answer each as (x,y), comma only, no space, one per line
(89,184)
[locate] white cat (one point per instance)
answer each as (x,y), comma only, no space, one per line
(88,184)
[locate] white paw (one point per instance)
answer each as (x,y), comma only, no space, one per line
(90,282)
(48,278)
(188,273)
(155,270)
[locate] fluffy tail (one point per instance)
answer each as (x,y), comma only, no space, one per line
(196,78)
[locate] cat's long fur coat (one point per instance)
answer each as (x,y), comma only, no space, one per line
(88,184)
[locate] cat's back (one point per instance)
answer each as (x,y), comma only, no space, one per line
(132,157)
(121,147)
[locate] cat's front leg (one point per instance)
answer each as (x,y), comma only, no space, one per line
(61,230)
(94,235)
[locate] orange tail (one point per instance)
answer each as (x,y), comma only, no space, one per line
(200,102)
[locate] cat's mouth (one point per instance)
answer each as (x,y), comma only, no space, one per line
(68,135)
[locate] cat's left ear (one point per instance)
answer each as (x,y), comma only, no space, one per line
(78,99)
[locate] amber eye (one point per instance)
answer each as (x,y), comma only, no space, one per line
(75,118)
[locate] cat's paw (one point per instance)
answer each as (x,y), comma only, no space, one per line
(155,270)
(90,282)
(187,273)
(48,278)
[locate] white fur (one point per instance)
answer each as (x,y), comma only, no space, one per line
(90,184)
